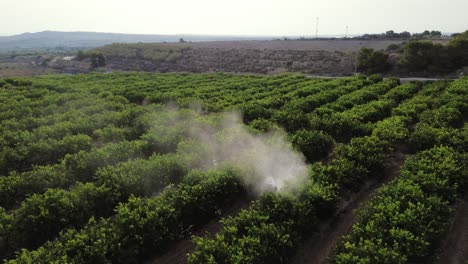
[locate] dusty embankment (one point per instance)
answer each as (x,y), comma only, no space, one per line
(332,58)
(318,57)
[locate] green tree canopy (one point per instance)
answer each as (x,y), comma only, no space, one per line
(98,60)
(372,61)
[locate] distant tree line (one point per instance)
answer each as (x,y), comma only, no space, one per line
(427,34)
(387,35)
(418,56)
(390,34)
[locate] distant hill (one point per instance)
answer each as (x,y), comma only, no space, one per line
(56,41)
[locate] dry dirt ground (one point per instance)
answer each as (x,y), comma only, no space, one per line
(318,248)
(321,57)
(300,45)
(20,69)
(455,246)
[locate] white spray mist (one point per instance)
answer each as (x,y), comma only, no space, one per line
(268,160)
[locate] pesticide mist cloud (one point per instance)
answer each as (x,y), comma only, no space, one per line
(268,161)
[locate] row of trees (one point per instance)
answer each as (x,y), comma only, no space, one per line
(417,203)
(445,125)
(42,216)
(406,219)
(73,167)
(142,225)
(294,114)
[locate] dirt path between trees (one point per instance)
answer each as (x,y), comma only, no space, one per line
(177,253)
(455,246)
(318,248)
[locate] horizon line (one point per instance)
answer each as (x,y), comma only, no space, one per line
(208,34)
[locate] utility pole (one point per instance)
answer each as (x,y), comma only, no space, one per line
(316,28)
(346,31)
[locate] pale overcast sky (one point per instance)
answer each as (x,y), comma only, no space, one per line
(234,17)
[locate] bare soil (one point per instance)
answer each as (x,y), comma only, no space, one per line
(455,246)
(299,45)
(177,253)
(319,247)
(19,69)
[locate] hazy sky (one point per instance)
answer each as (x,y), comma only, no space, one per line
(234,17)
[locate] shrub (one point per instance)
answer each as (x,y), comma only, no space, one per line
(370,61)
(98,60)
